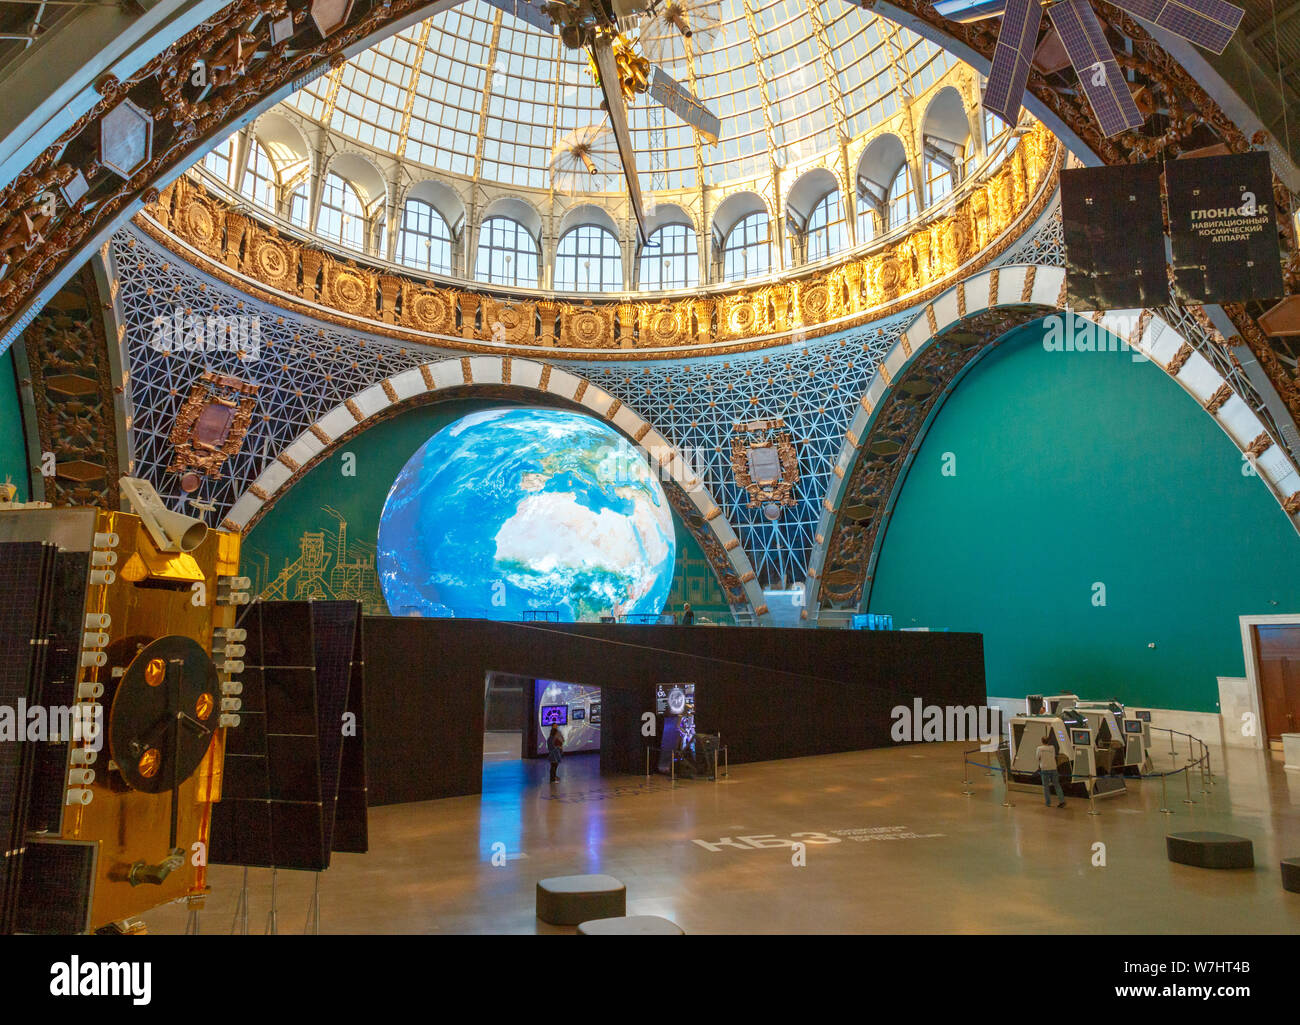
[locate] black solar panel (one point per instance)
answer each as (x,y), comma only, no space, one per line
(1099,76)
(287,760)
(334,627)
(351,827)
(527,12)
(26,577)
(58,884)
(1207,23)
(1015,50)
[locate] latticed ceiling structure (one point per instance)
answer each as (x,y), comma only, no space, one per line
(477,93)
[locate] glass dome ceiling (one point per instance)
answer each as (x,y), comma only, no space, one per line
(478,93)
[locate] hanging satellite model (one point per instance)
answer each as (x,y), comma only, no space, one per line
(123,630)
(598,26)
(765,465)
(1208,23)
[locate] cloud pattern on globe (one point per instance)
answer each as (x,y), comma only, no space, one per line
(509,510)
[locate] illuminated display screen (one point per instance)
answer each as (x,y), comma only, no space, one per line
(538,511)
(574,708)
(1081,738)
(555,715)
(1132,726)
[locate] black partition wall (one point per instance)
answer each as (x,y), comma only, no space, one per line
(771,693)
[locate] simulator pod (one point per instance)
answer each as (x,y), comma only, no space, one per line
(1129,737)
(1037,704)
(1076,754)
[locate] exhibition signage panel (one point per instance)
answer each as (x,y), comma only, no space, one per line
(1221,219)
(1114,237)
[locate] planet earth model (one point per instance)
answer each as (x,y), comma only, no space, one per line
(510,510)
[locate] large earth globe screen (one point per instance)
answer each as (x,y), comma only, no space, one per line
(511,510)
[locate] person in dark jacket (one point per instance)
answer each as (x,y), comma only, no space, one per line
(555,749)
(688,617)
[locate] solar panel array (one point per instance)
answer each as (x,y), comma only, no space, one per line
(26,579)
(526,11)
(1011,59)
(284,765)
(58,886)
(1094,62)
(1207,23)
(671,94)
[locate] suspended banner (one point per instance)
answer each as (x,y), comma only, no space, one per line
(1224,230)
(1114,237)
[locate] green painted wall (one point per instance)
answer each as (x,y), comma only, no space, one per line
(1075,469)
(279,540)
(13,445)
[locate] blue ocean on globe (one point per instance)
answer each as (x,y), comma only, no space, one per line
(516,509)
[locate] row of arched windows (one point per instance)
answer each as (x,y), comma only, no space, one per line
(589,257)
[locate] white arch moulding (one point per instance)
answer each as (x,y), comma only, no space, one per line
(1044,286)
(367,405)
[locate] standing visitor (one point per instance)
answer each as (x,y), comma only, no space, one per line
(1051,775)
(555,745)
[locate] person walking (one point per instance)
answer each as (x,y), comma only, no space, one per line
(688,617)
(555,749)
(1051,775)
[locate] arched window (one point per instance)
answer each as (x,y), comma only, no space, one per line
(998,139)
(902,198)
(425,239)
(826,234)
(342,217)
(938,180)
(260,179)
(747,251)
(217,162)
(507,254)
(670,258)
(587,260)
(300,207)
(866,219)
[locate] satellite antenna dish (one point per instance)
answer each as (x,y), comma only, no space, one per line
(666,27)
(584,160)
(1208,23)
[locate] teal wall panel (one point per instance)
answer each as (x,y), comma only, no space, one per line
(13,446)
(1078,469)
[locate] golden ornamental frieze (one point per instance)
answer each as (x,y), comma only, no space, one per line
(256,259)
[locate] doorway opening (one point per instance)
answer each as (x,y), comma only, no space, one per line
(519,713)
(1277,650)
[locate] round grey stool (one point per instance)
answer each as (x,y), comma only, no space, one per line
(572,900)
(632,925)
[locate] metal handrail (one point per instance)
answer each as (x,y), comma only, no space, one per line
(1202,761)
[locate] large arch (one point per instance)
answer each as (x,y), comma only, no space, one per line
(929,359)
(454,377)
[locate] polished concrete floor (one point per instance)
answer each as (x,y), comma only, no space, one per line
(914,855)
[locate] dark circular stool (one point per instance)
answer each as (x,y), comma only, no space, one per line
(632,925)
(572,900)
(1291,874)
(1210,850)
